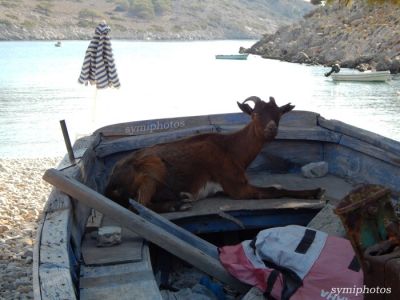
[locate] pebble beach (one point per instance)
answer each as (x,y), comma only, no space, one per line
(23,195)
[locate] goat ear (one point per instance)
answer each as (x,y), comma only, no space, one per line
(244,107)
(272,100)
(286,108)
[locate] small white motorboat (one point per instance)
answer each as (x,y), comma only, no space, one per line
(367,76)
(363,76)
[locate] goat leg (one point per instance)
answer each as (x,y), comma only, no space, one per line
(274,192)
(244,190)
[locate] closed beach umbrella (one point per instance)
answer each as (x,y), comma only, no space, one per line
(98,67)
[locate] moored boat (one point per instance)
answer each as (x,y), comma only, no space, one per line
(377,76)
(69,265)
(367,76)
(232,56)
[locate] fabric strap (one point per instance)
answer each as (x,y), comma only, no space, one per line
(273,276)
(306,241)
(354,265)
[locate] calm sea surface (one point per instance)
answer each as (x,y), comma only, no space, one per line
(38,87)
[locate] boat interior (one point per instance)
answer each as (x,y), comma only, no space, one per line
(71,260)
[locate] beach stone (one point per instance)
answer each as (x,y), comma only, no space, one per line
(315,169)
(109,236)
(4,228)
(27,253)
(19,216)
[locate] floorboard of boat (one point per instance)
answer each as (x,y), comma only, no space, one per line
(335,189)
(133,280)
(130,250)
(118,272)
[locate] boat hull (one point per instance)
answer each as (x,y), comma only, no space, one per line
(380,76)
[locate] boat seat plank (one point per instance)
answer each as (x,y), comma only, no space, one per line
(130,250)
(133,280)
(335,187)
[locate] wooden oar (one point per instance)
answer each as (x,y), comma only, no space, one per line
(149,231)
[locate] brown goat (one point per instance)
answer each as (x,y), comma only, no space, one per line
(162,176)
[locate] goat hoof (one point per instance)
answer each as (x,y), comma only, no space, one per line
(320,194)
(184,207)
(186,197)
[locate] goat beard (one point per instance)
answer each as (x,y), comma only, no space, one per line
(271,130)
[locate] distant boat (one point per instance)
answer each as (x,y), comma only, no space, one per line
(58,44)
(232,56)
(363,76)
(368,76)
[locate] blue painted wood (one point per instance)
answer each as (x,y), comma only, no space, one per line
(143,127)
(137,142)
(370,150)
(361,134)
(251,220)
(177,231)
(361,168)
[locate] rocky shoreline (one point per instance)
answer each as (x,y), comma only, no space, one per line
(360,36)
(19,33)
(23,195)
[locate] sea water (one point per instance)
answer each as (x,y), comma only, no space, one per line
(39,87)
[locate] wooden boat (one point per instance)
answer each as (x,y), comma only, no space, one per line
(378,76)
(232,56)
(67,263)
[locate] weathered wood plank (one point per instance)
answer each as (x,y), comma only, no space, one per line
(94,220)
(177,231)
(335,187)
(299,118)
(121,281)
(37,291)
(312,134)
(54,259)
(137,142)
(56,283)
(55,238)
(128,251)
(353,165)
(294,119)
(57,201)
(361,134)
(133,143)
(153,126)
(370,150)
(146,229)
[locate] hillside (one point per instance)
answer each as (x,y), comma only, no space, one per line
(359,36)
(147,19)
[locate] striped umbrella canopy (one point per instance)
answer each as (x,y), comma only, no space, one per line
(99,67)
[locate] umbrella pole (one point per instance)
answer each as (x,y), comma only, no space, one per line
(94,107)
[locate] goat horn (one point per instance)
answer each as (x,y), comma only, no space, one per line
(255,99)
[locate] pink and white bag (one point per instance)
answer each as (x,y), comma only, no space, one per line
(296,262)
